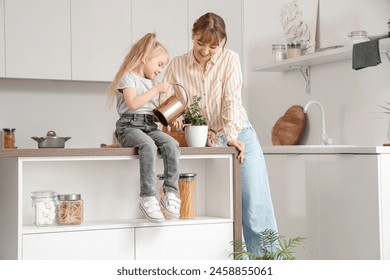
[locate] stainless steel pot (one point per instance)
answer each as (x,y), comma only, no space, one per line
(51,140)
(171,108)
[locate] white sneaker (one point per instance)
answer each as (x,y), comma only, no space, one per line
(150,207)
(171,205)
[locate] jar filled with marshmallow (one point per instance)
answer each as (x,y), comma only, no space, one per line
(44,204)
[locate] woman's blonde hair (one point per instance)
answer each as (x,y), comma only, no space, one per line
(147,47)
(211,28)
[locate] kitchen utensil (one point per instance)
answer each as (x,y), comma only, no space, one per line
(289,128)
(51,140)
(172,108)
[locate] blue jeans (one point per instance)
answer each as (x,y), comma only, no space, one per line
(140,131)
(257,209)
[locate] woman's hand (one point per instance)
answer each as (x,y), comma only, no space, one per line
(240,146)
(178,124)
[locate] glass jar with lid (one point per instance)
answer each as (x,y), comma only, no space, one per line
(358,37)
(278,52)
(44,207)
(9,138)
(294,50)
(187,188)
(70,209)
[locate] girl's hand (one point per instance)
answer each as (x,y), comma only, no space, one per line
(163,87)
(240,146)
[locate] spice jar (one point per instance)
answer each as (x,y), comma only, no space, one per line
(70,209)
(279,52)
(9,138)
(293,50)
(187,188)
(44,208)
(358,37)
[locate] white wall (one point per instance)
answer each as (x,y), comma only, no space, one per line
(350,98)
(75,109)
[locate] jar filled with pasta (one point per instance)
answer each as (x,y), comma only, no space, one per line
(187,188)
(70,209)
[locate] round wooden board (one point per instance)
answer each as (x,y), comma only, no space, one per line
(289,128)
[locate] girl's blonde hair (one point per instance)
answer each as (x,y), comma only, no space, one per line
(147,47)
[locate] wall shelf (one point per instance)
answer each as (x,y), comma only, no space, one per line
(305,62)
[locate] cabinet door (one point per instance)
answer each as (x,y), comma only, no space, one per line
(2,40)
(189,242)
(101,38)
(349,209)
(37,37)
(77,245)
(229,10)
(294,188)
(168,19)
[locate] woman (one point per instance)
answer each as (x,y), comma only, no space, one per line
(213,72)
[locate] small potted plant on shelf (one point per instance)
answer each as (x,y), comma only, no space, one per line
(196,128)
(272,246)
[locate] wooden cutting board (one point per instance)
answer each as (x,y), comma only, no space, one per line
(289,128)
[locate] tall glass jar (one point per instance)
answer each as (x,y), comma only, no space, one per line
(278,52)
(70,209)
(44,208)
(358,37)
(187,188)
(294,50)
(9,138)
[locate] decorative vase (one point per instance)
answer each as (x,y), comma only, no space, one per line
(196,136)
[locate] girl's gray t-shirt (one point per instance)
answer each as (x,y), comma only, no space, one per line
(141,85)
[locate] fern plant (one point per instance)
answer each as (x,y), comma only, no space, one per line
(272,247)
(193,116)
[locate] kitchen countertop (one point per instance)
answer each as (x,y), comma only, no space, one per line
(326,149)
(58,152)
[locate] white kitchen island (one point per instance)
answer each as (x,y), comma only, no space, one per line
(114,227)
(337,197)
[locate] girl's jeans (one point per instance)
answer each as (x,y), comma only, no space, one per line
(257,209)
(140,131)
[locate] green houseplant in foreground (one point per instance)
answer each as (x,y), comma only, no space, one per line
(283,250)
(193,116)
(196,128)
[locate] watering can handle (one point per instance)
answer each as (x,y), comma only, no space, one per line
(180,85)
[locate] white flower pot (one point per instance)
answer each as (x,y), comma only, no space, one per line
(196,136)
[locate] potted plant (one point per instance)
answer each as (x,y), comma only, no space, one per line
(272,245)
(196,128)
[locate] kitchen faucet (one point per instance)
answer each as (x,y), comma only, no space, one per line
(325,139)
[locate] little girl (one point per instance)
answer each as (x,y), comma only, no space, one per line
(136,92)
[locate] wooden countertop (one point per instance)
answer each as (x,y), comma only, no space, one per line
(52,152)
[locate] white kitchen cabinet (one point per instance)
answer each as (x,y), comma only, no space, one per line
(80,244)
(2,40)
(340,202)
(168,19)
(38,39)
(101,38)
(114,227)
(229,10)
(294,188)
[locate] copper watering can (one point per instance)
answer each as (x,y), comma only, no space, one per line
(171,109)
